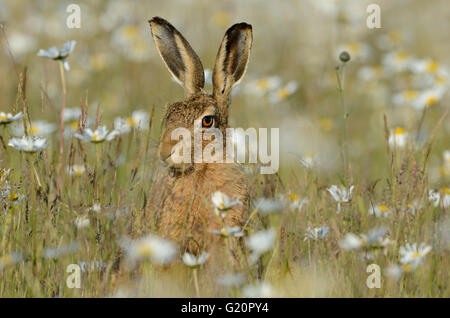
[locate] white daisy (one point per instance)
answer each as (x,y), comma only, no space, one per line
(192,261)
(261,242)
(374,239)
(7,118)
(82,222)
(283,92)
(263,85)
(228,231)
(398,138)
(97,136)
(222,203)
(340,195)
(10,259)
(413,255)
(28,144)
(380,210)
(268,206)
(151,248)
(316,233)
(76,170)
(62,54)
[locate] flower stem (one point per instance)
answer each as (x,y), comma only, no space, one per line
(61,127)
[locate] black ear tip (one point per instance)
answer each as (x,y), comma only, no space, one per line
(243,26)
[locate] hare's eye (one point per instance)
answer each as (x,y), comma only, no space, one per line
(207,121)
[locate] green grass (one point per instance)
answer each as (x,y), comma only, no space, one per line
(119,172)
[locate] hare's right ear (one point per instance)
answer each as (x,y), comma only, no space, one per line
(181,60)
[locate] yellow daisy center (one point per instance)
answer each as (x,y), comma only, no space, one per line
(416,255)
(3,117)
(411,95)
(283,93)
(13,197)
(432,66)
(95,137)
(34,130)
(293,197)
(383,208)
(131,121)
(224,232)
(145,250)
(326,124)
(354,47)
(399,131)
(446,191)
(401,56)
(130,32)
(431,100)
(262,84)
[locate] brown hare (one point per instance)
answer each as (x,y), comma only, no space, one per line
(182,192)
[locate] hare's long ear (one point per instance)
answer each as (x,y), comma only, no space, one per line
(231,60)
(181,60)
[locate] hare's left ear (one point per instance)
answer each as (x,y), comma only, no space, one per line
(231,60)
(181,60)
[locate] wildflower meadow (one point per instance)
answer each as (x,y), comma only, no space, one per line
(357,205)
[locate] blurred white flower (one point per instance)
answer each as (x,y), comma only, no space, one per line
(296,203)
(268,206)
(62,54)
(398,138)
(150,247)
(10,259)
(82,222)
(37,128)
(138,120)
(316,233)
(413,255)
(370,73)
(192,261)
(372,240)
(426,66)
(129,39)
(283,92)
(263,85)
(446,199)
(228,231)
(259,290)
(97,136)
(397,61)
(21,43)
(222,203)
(379,210)
(7,118)
(395,272)
(428,98)
(261,242)
(408,97)
(76,170)
(28,144)
(434,197)
(340,195)
(357,50)
(308,161)
(72,114)
(60,251)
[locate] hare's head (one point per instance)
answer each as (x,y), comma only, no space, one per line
(208,110)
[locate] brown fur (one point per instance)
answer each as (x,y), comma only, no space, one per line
(182,192)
